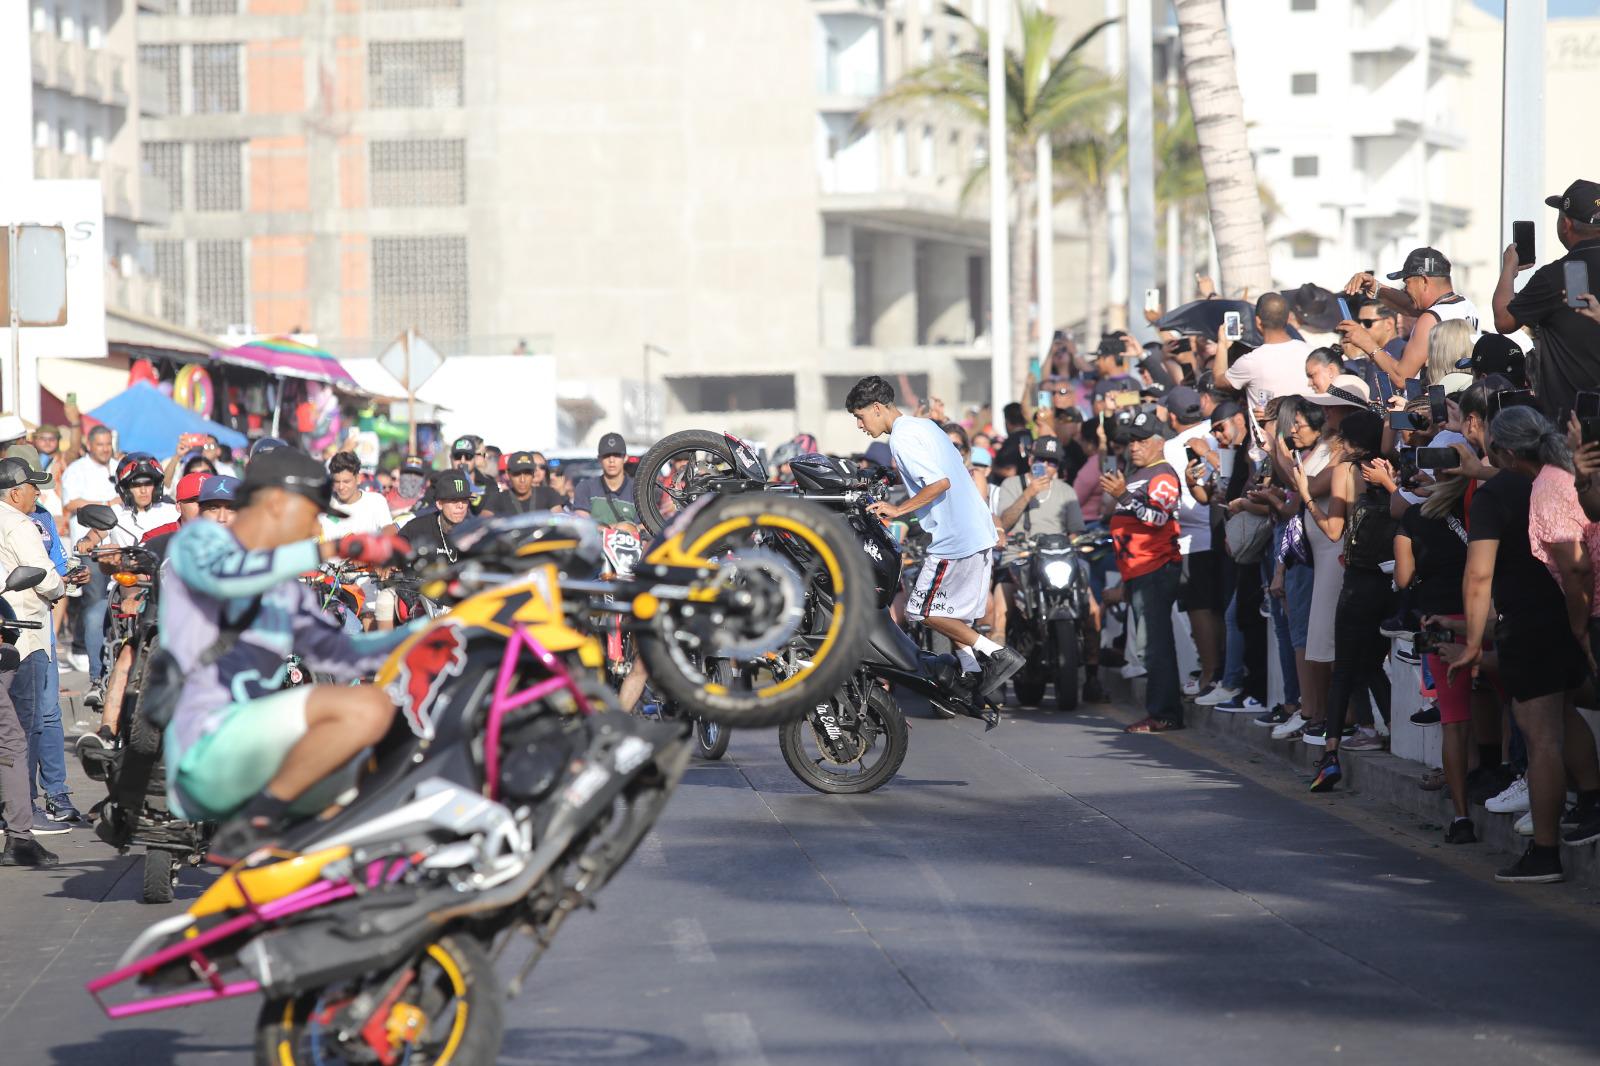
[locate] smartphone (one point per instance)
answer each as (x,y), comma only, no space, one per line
(1413,389)
(1183,344)
(1437,459)
(1233,325)
(1587,404)
(1344,310)
(1438,408)
(1039,470)
(1042,400)
(1401,421)
(1152,299)
(1499,401)
(1522,237)
(1576,272)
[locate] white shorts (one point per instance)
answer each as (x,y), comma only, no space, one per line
(952,588)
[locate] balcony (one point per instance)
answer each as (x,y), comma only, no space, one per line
(155,201)
(159,7)
(117,187)
(43,51)
(134,292)
(52,163)
(69,64)
(152,91)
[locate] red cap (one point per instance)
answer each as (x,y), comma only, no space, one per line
(189,485)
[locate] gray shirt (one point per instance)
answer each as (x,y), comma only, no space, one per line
(1055,510)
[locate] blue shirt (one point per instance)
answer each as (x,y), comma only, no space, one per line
(959,520)
(52,539)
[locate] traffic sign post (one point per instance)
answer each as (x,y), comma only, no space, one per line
(33,276)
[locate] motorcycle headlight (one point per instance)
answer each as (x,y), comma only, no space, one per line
(1058,573)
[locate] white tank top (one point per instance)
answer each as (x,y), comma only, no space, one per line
(1453,306)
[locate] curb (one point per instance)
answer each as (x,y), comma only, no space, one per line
(1379,775)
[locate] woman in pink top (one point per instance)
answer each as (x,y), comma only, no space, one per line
(1091,500)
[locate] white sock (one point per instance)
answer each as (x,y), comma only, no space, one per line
(987,646)
(969,661)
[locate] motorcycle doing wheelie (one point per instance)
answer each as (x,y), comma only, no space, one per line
(1052,622)
(507,793)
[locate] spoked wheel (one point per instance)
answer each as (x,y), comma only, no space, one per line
(711,739)
(843,748)
(680,469)
(446,1014)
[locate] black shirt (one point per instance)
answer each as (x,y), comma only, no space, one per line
(1441,560)
(1567,343)
(426,536)
(542,498)
(1524,591)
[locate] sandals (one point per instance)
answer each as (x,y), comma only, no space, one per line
(1153,725)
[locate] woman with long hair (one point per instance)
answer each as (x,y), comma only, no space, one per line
(1449,342)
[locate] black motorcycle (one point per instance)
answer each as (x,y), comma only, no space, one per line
(1050,622)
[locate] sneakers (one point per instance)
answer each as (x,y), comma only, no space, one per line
(46,826)
(997,670)
(1241,705)
(1429,715)
(1514,800)
(1219,693)
(1407,653)
(1461,831)
(1364,740)
(1400,624)
(1317,735)
(1328,773)
(1193,687)
(1132,670)
(1524,826)
(1275,717)
(1093,691)
(60,809)
(1585,832)
(21,851)
(1290,729)
(1538,866)
(80,662)
(1484,783)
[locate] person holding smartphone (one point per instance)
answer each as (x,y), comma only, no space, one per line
(1567,338)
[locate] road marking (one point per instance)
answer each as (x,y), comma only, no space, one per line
(689,941)
(650,851)
(734,1039)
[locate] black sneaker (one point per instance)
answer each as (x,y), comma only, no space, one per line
(1585,832)
(1328,773)
(1578,813)
(1407,653)
(1429,715)
(997,670)
(1461,831)
(1317,735)
(24,851)
(1277,716)
(1093,691)
(1485,784)
(1538,866)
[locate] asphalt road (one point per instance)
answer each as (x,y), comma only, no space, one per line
(1049,892)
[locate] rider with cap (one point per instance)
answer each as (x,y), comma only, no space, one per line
(410,486)
(1428,295)
(240,746)
(429,532)
(527,492)
(467,456)
(615,484)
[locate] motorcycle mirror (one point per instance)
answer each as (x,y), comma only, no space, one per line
(24,577)
(97,516)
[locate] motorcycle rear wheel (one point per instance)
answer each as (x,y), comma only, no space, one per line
(454,993)
(701,447)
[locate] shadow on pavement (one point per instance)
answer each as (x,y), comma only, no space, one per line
(524,1045)
(142,1046)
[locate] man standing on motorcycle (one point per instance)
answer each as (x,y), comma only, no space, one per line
(953,586)
(239,745)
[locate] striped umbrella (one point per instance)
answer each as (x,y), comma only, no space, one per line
(290,358)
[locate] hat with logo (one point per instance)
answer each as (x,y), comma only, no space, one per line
(189,485)
(1184,403)
(1048,448)
(612,444)
(1425,263)
(520,463)
(15,472)
(413,464)
(1581,202)
(1346,390)
(220,488)
(293,471)
(1143,425)
(451,485)
(262,445)
(1495,353)
(466,445)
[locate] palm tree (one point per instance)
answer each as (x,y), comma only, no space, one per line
(1084,164)
(1234,198)
(1045,96)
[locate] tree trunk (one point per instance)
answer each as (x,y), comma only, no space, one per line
(1231,191)
(1023,252)
(1096,223)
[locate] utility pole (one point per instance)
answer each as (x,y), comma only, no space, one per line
(999,214)
(1522,188)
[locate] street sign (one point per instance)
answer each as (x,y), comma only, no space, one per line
(411,368)
(40,275)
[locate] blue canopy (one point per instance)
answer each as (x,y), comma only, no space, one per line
(147,420)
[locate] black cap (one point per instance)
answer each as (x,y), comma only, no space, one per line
(1047,448)
(262,445)
(1581,202)
(413,464)
(613,444)
(1143,425)
(1495,353)
(1423,262)
(15,472)
(520,463)
(1183,402)
(451,485)
(1224,411)
(465,445)
(291,470)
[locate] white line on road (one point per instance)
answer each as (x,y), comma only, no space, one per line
(650,851)
(689,941)
(734,1039)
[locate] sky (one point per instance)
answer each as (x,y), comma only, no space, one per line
(1558,8)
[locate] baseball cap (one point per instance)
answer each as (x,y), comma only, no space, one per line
(1183,402)
(520,463)
(189,485)
(1225,410)
(1423,262)
(219,488)
(1143,425)
(980,457)
(1495,353)
(1581,202)
(12,428)
(263,445)
(291,470)
(1456,382)
(451,485)
(1047,448)
(467,445)
(612,444)
(15,472)
(413,464)
(1346,390)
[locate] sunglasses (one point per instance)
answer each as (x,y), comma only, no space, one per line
(1369,322)
(1064,390)
(463,455)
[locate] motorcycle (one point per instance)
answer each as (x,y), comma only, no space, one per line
(507,793)
(340,597)
(1050,621)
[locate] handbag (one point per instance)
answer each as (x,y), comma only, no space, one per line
(1248,536)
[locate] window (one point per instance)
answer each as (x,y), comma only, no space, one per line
(216,78)
(169,271)
(1304,246)
(409,5)
(927,46)
(420,282)
(901,154)
(213,7)
(1303,84)
(219,175)
(418,173)
(743,392)
(219,285)
(927,149)
(1305,166)
(163,160)
(1302,5)
(163,58)
(44,135)
(421,74)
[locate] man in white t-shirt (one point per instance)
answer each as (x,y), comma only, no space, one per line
(952,588)
(1200,585)
(1277,367)
(360,511)
(90,479)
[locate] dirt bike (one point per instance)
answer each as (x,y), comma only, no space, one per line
(1050,622)
(506,794)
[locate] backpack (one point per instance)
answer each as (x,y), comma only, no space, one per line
(1369,533)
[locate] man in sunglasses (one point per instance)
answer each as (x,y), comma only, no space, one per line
(467,455)
(241,748)
(526,471)
(1379,332)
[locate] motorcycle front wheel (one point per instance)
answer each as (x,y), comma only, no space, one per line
(711,739)
(1065,632)
(449,1014)
(678,468)
(864,757)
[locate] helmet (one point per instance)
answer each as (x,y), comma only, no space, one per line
(137,468)
(786,452)
(806,443)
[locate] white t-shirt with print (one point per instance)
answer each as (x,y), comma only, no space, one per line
(368,514)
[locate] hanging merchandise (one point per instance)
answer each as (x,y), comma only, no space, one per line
(321,420)
(142,370)
(193,390)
